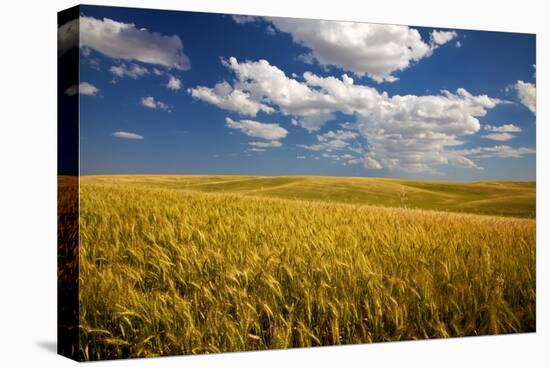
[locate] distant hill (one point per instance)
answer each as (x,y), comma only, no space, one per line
(491,198)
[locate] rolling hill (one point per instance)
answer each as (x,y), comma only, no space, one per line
(493,198)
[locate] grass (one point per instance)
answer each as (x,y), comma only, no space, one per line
(188,264)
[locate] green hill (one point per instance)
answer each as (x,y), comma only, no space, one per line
(492,198)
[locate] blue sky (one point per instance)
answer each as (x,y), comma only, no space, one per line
(274,96)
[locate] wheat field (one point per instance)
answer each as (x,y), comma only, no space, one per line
(175,265)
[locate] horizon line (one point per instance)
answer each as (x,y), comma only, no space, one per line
(305,175)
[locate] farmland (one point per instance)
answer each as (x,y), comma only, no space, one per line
(203,264)
(496,198)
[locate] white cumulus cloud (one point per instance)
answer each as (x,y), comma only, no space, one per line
(227,98)
(371,163)
(413,133)
(83,88)
(151,102)
(527,94)
(67,36)
(441,37)
(125,41)
(376,50)
(332,141)
(173,83)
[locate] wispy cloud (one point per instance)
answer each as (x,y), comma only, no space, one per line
(499,136)
(498,151)
(243,19)
(501,133)
(127,135)
(258,129)
(133,71)
(266,144)
(506,128)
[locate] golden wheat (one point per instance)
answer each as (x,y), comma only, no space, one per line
(166,271)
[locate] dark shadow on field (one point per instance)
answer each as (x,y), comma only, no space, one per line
(48,345)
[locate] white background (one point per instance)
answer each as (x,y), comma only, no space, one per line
(28,182)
